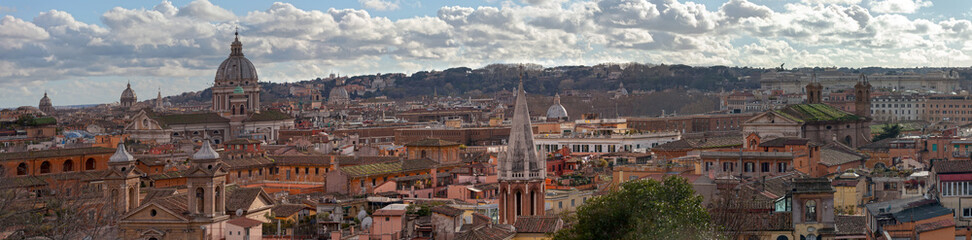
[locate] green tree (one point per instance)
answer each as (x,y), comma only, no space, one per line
(888,131)
(642,209)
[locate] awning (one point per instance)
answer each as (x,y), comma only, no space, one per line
(474,189)
(955,177)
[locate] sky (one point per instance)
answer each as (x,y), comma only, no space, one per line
(84,52)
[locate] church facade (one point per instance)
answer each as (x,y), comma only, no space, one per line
(235,111)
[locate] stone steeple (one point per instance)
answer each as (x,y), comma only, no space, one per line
(814,90)
(521,170)
(158,100)
(521,161)
(862,97)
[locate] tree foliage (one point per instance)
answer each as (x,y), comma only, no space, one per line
(642,209)
(888,131)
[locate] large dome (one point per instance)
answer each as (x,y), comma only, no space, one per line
(338,95)
(556,111)
(128,93)
(45,101)
(236,68)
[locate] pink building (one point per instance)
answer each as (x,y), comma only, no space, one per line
(388,222)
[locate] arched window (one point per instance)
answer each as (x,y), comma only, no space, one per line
(199,199)
(811,213)
(45,167)
(68,166)
(423,154)
(781,237)
(114,197)
(519,203)
(132,197)
(219,204)
(90,164)
(242,109)
(847,140)
(22,169)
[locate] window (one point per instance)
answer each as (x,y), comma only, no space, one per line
(68,166)
(811,211)
(45,167)
(967,212)
(572,202)
(560,204)
(317,171)
(728,167)
(781,167)
(764,167)
(750,167)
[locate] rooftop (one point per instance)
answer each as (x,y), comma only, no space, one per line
(389,167)
(55,153)
(432,142)
(810,113)
(538,224)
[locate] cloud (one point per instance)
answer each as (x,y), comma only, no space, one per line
(379,5)
(898,6)
(288,43)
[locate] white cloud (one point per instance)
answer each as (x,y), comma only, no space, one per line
(898,6)
(287,43)
(379,5)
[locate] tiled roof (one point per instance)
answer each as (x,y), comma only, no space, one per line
(488,232)
(908,209)
(191,118)
(154,193)
(812,185)
(168,175)
(286,210)
(833,155)
(538,224)
(957,166)
(389,212)
(311,160)
(241,198)
(702,143)
(22,182)
(810,113)
(784,141)
(447,210)
(388,167)
(746,155)
(242,141)
(431,142)
(246,162)
(55,153)
(244,222)
(268,115)
(924,227)
(848,225)
(178,204)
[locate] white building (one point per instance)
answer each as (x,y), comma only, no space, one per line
(895,108)
(604,143)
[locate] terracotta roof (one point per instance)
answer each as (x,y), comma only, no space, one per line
(167,175)
(702,143)
(287,210)
(488,232)
(810,113)
(241,198)
(538,224)
(154,193)
(812,185)
(244,222)
(389,167)
(389,212)
(924,227)
(447,210)
(268,115)
(834,154)
(246,162)
(747,155)
(242,141)
(178,204)
(312,160)
(191,118)
(957,166)
(55,153)
(850,225)
(431,142)
(784,141)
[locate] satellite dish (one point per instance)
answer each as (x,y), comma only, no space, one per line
(366,223)
(362,214)
(239,212)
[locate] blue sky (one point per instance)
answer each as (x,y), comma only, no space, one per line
(83,52)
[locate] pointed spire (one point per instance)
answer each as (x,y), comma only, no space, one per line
(521,160)
(121,155)
(206,152)
(557,98)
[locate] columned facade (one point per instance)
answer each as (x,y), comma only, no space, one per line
(235,88)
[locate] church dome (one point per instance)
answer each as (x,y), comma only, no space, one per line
(556,111)
(238,90)
(236,69)
(45,101)
(338,95)
(128,93)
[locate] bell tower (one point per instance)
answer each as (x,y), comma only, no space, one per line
(206,181)
(862,97)
(814,91)
(521,170)
(122,181)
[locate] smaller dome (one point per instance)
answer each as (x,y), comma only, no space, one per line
(128,93)
(338,95)
(238,90)
(206,152)
(45,101)
(121,155)
(556,111)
